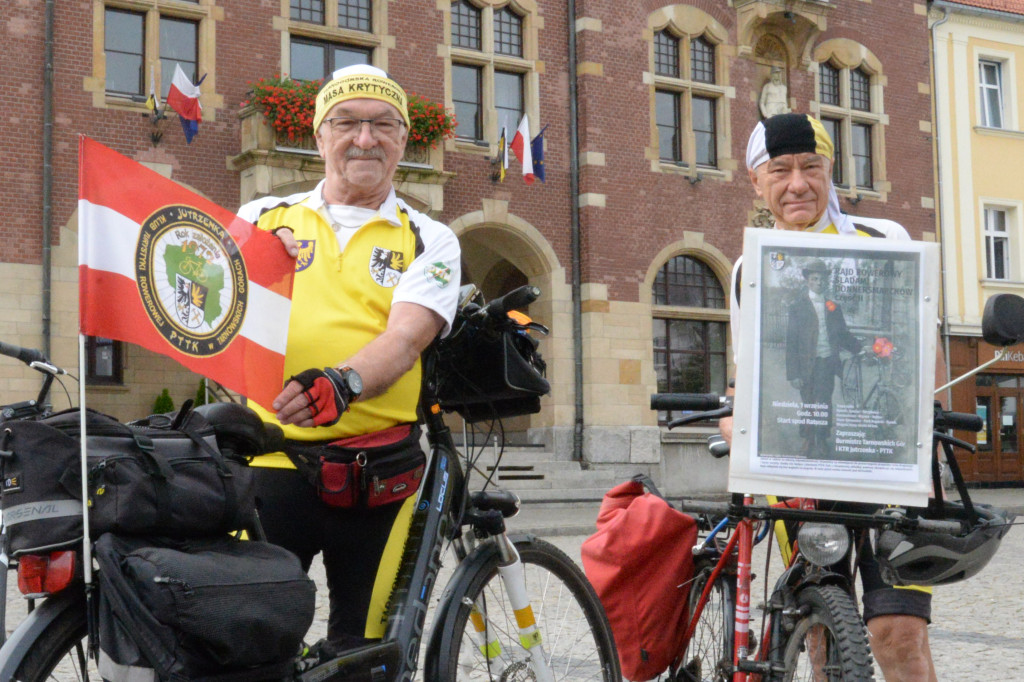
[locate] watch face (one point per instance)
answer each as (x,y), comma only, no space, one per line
(354,381)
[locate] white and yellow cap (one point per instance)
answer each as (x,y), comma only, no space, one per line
(797,134)
(360,81)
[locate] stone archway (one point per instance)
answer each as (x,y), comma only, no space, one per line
(501,252)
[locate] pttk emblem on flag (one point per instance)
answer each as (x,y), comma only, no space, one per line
(162,267)
(386,266)
(189,271)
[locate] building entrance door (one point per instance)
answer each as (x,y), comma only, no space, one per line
(998,403)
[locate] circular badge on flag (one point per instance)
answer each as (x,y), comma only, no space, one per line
(192,279)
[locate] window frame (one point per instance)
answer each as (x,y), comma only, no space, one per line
(847,175)
(199,12)
(167,74)
(142,81)
(705,315)
(687,89)
(984,113)
(330,64)
(675,126)
(477,101)
(491,64)
(991,236)
(334,35)
(92,347)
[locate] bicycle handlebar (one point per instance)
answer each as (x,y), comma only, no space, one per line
(26,355)
(958,421)
(517,298)
(883,519)
(701,402)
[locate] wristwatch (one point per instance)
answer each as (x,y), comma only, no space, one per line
(351,381)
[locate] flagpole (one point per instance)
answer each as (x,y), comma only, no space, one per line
(86,541)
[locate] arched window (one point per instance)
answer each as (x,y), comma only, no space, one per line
(685,106)
(850,105)
(491,67)
(690,323)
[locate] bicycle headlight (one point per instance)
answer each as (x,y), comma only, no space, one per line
(823,544)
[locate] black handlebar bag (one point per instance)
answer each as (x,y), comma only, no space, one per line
(215,609)
(162,476)
(488,375)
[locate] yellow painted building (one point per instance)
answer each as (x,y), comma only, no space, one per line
(978,53)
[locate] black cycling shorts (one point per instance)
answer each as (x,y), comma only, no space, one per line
(881,599)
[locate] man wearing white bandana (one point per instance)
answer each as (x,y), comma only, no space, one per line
(789,161)
(375,282)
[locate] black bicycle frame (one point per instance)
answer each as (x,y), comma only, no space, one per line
(436,519)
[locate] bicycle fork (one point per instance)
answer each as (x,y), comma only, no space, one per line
(513,576)
(741,626)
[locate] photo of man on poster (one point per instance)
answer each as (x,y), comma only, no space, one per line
(816,332)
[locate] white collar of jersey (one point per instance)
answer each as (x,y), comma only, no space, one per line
(388,210)
(822,224)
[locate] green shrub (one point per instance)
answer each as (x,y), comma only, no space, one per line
(200,393)
(163,403)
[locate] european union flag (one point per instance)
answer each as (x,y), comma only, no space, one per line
(537,151)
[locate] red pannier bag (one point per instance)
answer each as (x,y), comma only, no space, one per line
(640,562)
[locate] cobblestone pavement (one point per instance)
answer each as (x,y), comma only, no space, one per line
(974,635)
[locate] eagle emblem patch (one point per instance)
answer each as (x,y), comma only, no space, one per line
(386,266)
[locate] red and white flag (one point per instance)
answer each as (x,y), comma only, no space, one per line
(164,268)
(183,97)
(520,145)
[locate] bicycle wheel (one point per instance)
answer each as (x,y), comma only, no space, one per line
(829,643)
(575,632)
(60,652)
(709,652)
(851,383)
(891,408)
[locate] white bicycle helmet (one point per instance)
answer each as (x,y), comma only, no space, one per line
(922,558)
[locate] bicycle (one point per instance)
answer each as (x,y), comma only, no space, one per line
(811,627)
(515,608)
(886,394)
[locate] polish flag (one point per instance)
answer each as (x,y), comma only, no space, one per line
(183,97)
(164,268)
(520,145)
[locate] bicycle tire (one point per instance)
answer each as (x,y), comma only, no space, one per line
(708,656)
(577,639)
(832,627)
(851,382)
(59,651)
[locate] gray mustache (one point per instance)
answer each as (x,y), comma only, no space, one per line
(356,153)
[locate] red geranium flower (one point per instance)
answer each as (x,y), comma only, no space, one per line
(882,347)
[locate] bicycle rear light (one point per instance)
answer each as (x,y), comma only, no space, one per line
(40,575)
(823,543)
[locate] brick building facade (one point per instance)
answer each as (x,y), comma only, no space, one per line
(666,96)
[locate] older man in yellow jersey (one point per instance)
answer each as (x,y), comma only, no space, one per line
(375,282)
(789,161)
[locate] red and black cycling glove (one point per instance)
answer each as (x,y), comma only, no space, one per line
(325,390)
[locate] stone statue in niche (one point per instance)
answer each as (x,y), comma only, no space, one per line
(774,99)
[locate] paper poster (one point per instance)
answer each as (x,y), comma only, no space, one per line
(835,368)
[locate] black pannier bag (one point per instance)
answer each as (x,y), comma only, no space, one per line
(162,476)
(213,609)
(490,376)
